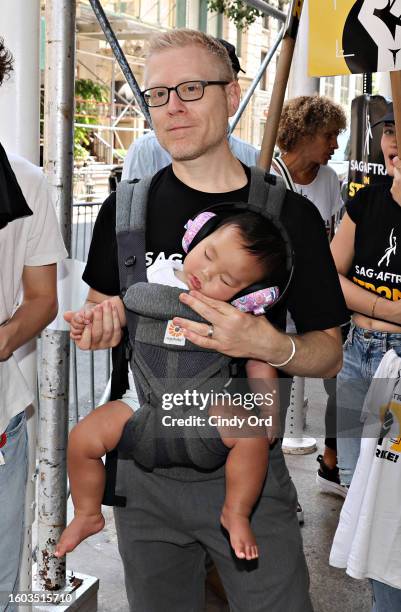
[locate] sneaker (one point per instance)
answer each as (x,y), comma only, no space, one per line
(328,479)
(300,514)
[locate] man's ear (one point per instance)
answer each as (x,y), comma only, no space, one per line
(233,92)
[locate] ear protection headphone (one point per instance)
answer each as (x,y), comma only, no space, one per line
(258,298)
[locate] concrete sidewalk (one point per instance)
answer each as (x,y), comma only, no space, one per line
(331,589)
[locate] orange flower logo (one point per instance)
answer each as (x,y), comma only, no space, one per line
(174,330)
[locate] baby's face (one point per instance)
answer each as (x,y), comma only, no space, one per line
(219,266)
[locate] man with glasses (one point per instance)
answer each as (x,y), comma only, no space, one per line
(171,519)
(146,157)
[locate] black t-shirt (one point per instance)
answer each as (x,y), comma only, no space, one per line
(315,299)
(377,249)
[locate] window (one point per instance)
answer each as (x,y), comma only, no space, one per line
(329,87)
(358,84)
(266,22)
(344,90)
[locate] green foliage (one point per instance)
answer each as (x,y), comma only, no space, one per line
(239,12)
(236,10)
(88,94)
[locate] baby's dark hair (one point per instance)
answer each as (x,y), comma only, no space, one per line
(263,240)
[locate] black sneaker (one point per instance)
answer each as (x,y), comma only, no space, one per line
(328,479)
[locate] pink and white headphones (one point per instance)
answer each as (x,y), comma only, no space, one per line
(257,298)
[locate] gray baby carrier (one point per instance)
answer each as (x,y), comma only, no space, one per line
(172,376)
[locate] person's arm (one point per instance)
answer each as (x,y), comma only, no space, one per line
(37,309)
(359,299)
(396,186)
(238,334)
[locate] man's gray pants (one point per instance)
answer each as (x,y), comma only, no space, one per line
(168,526)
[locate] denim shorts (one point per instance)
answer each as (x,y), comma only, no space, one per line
(363,352)
(385,597)
(13,474)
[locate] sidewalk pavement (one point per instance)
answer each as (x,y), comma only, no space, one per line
(332,590)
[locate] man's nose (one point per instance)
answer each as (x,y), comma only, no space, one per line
(175,104)
(335,142)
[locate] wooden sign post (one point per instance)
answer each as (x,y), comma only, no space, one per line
(395,78)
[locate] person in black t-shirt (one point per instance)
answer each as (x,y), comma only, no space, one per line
(171,519)
(367,254)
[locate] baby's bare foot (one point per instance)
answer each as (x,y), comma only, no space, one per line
(241,535)
(81,527)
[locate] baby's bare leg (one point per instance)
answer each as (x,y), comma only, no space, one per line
(246,469)
(90,439)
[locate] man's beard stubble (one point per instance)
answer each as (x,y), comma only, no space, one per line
(190,151)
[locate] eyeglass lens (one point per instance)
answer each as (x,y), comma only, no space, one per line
(190,90)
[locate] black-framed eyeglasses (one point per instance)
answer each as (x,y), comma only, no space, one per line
(189,91)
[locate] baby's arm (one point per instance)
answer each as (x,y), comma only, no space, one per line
(247,462)
(263,379)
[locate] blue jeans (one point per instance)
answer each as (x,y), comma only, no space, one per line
(385,597)
(13,476)
(363,352)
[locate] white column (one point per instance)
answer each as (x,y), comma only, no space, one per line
(300,84)
(19,96)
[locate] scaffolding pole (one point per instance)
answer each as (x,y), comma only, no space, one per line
(120,57)
(254,84)
(58,165)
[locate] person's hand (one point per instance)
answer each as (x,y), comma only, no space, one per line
(384,33)
(96,328)
(396,186)
(77,321)
(235,333)
(4,350)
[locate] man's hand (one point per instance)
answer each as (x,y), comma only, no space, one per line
(5,351)
(96,327)
(235,333)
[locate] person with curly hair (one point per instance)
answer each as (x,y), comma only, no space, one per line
(6,62)
(30,247)
(307,138)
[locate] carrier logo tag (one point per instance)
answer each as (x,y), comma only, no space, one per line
(174,334)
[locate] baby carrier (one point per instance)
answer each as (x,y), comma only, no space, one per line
(173,376)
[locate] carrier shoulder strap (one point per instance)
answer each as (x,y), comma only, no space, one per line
(130,214)
(131,206)
(266,192)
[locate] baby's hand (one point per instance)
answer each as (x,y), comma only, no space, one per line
(78,320)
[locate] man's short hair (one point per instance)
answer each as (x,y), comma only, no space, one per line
(308,116)
(6,61)
(177,39)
